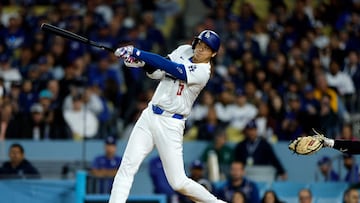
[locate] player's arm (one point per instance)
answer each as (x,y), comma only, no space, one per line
(154,60)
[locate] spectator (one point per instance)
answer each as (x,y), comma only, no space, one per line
(54,87)
(329,120)
(7,72)
(327,173)
(104,166)
(197,173)
(265,123)
(351,195)
(108,80)
(18,166)
(322,88)
(270,197)
(311,108)
(201,108)
(31,127)
(44,67)
(238,182)
(242,111)
(82,122)
(238,197)
(223,151)
(341,82)
(7,121)
(223,106)
(254,150)
(352,68)
(46,100)
(347,132)
(209,125)
(158,178)
(352,169)
(291,126)
(305,196)
(27,97)
(24,62)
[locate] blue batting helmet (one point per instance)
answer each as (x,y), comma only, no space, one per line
(210,38)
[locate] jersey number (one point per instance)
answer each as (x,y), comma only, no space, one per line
(181,88)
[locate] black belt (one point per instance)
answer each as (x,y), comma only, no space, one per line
(160,111)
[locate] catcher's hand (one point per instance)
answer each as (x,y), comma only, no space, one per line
(307,145)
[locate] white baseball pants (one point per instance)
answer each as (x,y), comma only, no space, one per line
(166,134)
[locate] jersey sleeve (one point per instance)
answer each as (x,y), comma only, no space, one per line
(197,74)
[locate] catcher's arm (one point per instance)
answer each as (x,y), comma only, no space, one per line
(347,146)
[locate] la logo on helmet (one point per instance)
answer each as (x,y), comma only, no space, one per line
(207,34)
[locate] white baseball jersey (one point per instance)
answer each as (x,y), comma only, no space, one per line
(162,125)
(176,96)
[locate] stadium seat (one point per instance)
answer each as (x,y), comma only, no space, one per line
(261,173)
(327,200)
(262,186)
(288,199)
(285,189)
(328,189)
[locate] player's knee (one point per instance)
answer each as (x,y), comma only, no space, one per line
(179,184)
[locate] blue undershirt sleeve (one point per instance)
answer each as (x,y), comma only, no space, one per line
(154,60)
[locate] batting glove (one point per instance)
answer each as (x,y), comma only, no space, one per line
(124,52)
(133,62)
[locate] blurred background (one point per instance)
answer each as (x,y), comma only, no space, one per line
(286,65)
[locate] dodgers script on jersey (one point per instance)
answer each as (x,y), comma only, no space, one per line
(178,96)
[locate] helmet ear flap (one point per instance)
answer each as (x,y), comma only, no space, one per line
(194,43)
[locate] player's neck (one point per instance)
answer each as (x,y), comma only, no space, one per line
(196,60)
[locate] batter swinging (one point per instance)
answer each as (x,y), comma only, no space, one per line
(183,74)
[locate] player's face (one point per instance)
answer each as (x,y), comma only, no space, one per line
(202,53)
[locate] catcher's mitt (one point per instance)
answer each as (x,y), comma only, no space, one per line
(307,145)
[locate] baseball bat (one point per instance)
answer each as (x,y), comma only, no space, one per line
(72,36)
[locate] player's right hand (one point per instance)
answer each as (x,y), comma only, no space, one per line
(124,52)
(133,62)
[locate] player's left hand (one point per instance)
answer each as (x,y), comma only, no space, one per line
(124,52)
(133,62)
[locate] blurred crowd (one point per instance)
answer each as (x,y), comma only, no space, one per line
(293,69)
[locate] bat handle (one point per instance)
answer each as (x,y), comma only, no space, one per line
(108,49)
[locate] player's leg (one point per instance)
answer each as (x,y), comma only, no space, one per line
(138,147)
(169,141)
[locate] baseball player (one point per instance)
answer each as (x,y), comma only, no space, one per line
(182,74)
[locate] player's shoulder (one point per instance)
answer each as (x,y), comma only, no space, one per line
(186,48)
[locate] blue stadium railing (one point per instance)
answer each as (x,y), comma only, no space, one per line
(83,197)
